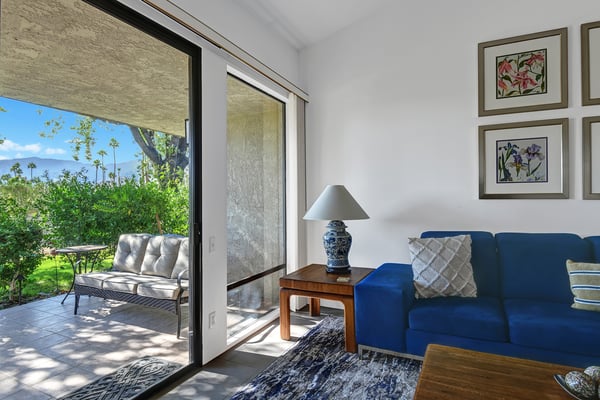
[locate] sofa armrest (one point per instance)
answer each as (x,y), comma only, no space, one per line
(381,302)
(180,276)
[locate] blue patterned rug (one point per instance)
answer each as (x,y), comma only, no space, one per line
(317,367)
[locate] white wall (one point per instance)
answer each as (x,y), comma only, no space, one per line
(393,115)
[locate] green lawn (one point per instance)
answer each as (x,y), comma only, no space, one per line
(52,277)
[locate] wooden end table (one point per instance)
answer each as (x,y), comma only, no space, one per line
(450,373)
(315,282)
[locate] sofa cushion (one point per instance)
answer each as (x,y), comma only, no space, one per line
(553,326)
(130,252)
(533,264)
(182,263)
(483,259)
(127,282)
(442,266)
(93,279)
(163,289)
(584,279)
(477,318)
(160,256)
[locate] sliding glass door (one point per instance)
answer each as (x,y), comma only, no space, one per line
(255,204)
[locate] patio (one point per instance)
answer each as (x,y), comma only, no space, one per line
(46,351)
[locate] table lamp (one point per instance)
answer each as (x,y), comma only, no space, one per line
(336,204)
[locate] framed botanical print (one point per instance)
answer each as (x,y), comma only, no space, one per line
(523,73)
(524,160)
(590,63)
(591,158)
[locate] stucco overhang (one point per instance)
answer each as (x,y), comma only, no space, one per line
(69,55)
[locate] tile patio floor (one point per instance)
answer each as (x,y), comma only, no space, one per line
(46,351)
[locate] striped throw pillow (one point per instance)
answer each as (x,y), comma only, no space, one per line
(585,285)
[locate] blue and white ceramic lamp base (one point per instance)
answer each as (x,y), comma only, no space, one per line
(337,242)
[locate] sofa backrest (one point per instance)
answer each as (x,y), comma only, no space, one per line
(183,259)
(161,254)
(130,252)
(595,242)
(534,264)
(483,259)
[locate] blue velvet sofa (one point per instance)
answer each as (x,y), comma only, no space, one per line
(522,309)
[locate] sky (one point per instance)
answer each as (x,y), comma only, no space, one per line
(21,124)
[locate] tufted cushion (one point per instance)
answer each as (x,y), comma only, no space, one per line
(182,263)
(130,252)
(160,256)
(585,285)
(442,267)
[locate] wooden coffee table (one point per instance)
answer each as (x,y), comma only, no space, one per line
(450,373)
(315,282)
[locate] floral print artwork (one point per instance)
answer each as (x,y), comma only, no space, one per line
(522,160)
(521,74)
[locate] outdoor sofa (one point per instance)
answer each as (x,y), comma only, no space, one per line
(147,270)
(523,305)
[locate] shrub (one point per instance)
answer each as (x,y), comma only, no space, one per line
(21,241)
(80,212)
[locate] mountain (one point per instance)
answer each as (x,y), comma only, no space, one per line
(55,167)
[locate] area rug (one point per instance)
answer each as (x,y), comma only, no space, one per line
(127,381)
(317,367)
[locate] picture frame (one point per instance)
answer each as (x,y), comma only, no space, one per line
(524,160)
(523,73)
(591,158)
(590,63)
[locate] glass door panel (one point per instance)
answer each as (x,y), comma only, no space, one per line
(255,204)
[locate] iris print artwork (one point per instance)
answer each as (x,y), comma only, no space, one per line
(521,74)
(522,160)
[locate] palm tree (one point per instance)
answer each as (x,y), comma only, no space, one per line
(114,144)
(31,167)
(102,153)
(16,169)
(97,165)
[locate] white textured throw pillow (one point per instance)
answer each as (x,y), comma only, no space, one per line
(442,266)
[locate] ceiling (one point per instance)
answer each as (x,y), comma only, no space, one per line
(305,22)
(68,55)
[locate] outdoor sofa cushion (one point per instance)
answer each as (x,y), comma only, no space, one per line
(130,252)
(127,282)
(182,264)
(93,279)
(163,289)
(161,254)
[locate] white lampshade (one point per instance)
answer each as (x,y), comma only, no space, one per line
(335,203)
